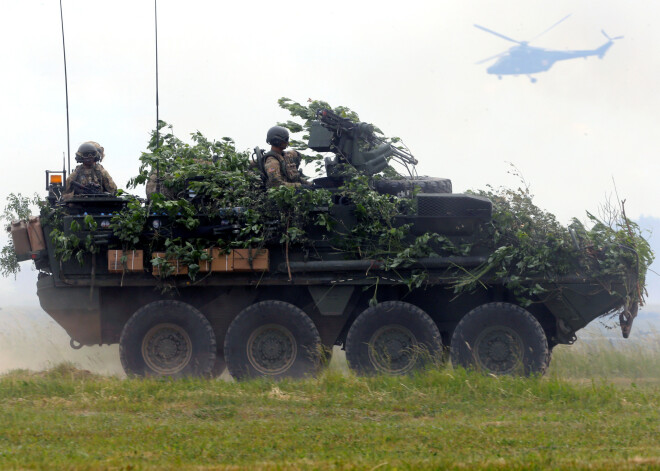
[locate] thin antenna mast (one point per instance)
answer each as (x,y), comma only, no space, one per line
(157,120)
(66,90)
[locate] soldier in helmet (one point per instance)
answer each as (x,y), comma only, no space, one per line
(89,177)
(282,166)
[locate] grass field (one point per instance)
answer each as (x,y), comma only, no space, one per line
(597,408)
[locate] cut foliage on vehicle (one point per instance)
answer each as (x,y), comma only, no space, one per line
(216,268)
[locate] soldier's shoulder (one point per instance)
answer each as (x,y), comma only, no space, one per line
(102,170)
(271,162)
(272,157)
(272,153)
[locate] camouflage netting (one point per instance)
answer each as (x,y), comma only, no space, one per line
(208,179)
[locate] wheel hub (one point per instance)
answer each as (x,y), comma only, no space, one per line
(499,350)
(166,349)
(271,349)
(392,349)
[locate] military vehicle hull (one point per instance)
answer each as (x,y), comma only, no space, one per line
(281,319)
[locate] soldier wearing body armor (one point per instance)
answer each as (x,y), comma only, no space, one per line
(282,166)
(154,187)
(159,178)
(89,177)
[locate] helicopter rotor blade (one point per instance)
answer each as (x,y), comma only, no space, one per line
(556,24)
(611,39)
(491,58)
(497,34)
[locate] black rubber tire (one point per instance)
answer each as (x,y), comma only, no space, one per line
(500,339)
(405,186)
(272,339)
(147,340)
(393,338)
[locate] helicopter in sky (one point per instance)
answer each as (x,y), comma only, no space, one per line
(527,60)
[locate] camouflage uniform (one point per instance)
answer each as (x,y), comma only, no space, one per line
(166,191)
(94,176)
(282,169)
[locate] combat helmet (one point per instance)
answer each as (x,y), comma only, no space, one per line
(99,148)
(277,135)
(86,149)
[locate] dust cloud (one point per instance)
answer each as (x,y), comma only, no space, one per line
(30,339)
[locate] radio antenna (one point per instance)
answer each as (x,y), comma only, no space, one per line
(66,91)
(157,120)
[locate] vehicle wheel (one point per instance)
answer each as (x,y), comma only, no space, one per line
(273,339)
(500,338)
(392,337)
(405,186)
(167,338)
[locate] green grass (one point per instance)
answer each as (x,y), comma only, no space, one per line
(597,408)
(632,360)
(67,418)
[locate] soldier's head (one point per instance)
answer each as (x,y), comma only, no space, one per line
(88,154)
(99,148)
(278,136)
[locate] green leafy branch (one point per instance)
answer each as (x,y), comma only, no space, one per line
(18,208)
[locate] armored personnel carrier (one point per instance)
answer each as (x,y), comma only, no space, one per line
(277,309)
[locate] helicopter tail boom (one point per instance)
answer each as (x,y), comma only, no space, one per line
(603,49)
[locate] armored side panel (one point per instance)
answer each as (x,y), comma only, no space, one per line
(448,214)
(77,310)
(578,301)
(454,205)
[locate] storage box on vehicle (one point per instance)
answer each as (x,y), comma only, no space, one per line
(36,234)
(179,267)
(19,235)
(250,259)
(219,261)
(134,261)
(222,261)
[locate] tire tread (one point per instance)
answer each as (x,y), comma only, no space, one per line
(353,355)
(152,311)
(526,316)
(232,358)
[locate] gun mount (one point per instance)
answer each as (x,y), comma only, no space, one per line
(353,143)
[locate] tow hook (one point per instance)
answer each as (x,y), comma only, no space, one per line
(626,318)
(75,344)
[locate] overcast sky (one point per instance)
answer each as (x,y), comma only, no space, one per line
(408,67)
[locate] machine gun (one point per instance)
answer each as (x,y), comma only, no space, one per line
(91,189)
(354,143)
